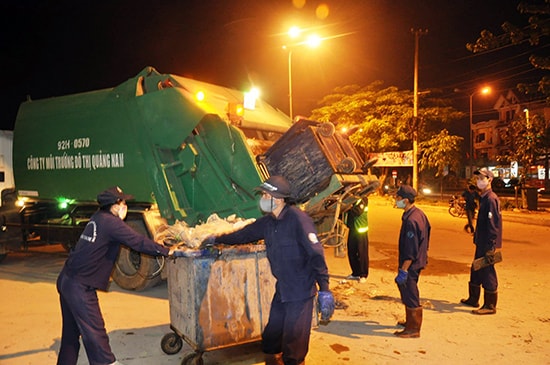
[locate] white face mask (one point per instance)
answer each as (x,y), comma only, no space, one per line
(482,184)
(267,205)
(400,204)
(122,211)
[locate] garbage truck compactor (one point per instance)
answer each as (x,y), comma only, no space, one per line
(185,149)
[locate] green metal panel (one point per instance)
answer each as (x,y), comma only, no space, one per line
(76,146)
(149,136)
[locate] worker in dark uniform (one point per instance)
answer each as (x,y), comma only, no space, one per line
(357,221)
(297,262)
(414,242)
(470,196)
(487,238)
(87,269)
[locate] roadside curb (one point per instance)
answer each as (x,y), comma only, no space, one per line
(524,216)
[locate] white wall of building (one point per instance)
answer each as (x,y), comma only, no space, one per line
(6,160)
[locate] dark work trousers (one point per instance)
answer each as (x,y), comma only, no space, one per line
(288,329)
(486,277)
(81,317)
(470,214)
(358,253)
(409,292)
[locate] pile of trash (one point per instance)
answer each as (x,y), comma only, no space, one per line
(182,235)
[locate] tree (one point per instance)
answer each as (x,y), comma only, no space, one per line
(526,141)
(441,153)
(535,34)
(381,118)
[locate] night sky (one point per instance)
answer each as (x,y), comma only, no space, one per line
(53,48)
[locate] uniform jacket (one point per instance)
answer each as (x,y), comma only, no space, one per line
(414,238)
(488,233)
(92,260)
(295,255)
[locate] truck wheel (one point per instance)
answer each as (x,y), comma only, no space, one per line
(3,256)
(135,271)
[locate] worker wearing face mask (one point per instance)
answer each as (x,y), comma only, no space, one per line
(297,262)
(487,238)
(87,269)
(414,241)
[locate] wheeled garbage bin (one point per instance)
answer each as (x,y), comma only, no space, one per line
(218,299)
(532,198)
(308,155)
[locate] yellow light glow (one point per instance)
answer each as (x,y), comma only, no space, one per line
(294,32)
(199,95)
(313,41)
(250,98)
(486,90)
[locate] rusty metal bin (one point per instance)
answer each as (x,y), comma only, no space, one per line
(218,299)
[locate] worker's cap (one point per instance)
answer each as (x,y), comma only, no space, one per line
(276,186)
(485,172)
(112,195)
(406,191)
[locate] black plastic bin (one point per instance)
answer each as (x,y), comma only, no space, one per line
(532,198)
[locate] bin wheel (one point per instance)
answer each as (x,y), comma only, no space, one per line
(347,165)
(193,358)
(171,343)
(326,129)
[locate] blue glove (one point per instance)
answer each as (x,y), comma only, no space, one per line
(401,278)
(326,305)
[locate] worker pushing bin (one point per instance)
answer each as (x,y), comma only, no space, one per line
(217,299)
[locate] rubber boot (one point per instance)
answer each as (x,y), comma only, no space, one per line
(274,359)
(412,323)
(473,298)
(489,305)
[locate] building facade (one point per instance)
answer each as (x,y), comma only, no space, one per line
(488,137)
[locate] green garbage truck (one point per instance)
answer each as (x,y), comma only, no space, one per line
(185,149)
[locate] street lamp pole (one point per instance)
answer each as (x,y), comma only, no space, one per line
(471,132)
(485,90)
(290,83)
(312,41)
(417,33)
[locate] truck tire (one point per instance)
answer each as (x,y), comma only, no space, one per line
(3,256)
(136,271)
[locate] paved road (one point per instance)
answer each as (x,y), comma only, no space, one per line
(31,323)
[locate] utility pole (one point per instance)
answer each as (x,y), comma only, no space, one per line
(417,33)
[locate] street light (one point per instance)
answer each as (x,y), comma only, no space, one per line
(311,41)
(484,91)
